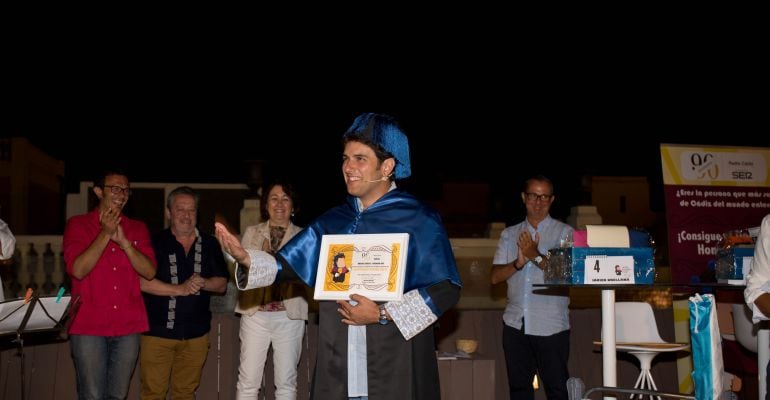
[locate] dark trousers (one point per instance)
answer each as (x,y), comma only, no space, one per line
(526,355)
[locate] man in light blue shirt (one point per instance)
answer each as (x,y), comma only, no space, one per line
(536,326)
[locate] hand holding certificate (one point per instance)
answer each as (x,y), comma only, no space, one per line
(371,265)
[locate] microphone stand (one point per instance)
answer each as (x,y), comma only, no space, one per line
(20,340)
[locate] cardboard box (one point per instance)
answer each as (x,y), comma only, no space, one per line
(600,266)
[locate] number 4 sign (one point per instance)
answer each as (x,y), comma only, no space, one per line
(609,270)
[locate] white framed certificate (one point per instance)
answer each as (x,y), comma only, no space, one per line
(372,265)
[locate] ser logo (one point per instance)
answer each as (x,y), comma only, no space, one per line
(743,175)
(704,165)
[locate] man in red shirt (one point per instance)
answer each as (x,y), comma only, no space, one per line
(106,252)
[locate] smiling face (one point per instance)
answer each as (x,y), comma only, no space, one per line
(363,172)
(114,194)
(279,206)
(537,198)
(183,215)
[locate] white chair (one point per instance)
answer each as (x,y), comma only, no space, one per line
(636,332)
(754,339)
(745,332)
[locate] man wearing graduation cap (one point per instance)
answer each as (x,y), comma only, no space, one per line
(385,351)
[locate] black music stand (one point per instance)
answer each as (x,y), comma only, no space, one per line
(38,314)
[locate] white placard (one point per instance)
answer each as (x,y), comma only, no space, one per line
(609,270)
(372,265)
(747,264)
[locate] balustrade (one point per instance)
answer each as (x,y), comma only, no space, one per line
(38,263)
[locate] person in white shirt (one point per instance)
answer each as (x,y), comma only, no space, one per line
(274,315)
(535,326)
(7,244)
(757,293)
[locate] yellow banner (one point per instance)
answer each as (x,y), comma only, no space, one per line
(715,165)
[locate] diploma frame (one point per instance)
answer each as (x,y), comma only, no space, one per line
(372,265)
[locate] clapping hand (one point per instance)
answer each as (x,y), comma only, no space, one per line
(527,245)
(193,285)
(110,220)
(231,245)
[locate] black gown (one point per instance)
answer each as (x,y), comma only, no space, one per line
(397,368)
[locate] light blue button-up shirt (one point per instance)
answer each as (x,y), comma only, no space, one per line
(545,315)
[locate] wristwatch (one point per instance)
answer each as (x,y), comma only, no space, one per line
(538,259)
(383,315)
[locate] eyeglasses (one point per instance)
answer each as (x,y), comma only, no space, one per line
(117,189)
(535,196)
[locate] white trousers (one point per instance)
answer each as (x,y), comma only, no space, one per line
(257,333)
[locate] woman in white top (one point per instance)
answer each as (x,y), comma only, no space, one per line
(273,315)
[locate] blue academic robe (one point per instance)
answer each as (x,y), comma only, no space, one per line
(397,368)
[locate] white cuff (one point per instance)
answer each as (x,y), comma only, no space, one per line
(261,273)
(757,315)
(411,315)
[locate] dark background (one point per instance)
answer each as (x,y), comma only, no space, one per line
(490,122)
(448,145)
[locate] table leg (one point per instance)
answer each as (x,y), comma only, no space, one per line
(763,354)
(609,358)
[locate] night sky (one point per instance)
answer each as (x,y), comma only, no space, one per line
(457,134)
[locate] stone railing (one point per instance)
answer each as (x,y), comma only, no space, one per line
(38,263)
